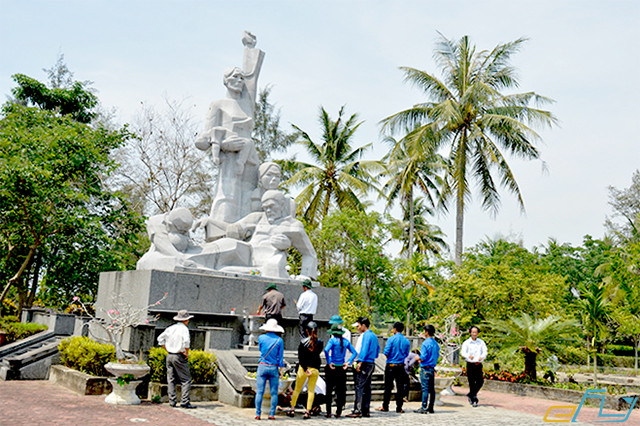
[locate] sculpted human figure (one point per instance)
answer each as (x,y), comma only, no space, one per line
(170,241)
(227,136)
(270,235)
(269,177)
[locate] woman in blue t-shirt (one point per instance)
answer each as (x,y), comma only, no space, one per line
(335,372)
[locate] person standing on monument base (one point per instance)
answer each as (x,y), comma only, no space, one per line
(369,351)
(176,341)
(307,304)
(474,351)
(429,354)
(272,304)
(396,350)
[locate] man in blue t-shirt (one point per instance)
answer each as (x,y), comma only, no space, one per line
(429,354)
(396,350)
(365,364)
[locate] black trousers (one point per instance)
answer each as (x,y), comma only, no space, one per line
(277,317)
(476,379)
(336,379)
(395,373)
(304,320)
(363,387)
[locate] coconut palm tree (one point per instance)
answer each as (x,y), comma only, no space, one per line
(412,164)
(467,111)
(595,309)
(531,336)
(414,274)
(427,238)
(340,178)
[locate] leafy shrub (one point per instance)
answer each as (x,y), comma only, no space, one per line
(573,355)
(8,307)
(202,365)
(86,355)
(6,320)
(505,376)
(16,330)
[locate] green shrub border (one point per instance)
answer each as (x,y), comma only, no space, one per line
(86,355)
(202,365)
(15,330)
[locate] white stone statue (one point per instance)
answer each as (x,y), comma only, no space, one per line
(270,234)
(269,177)
(251,225)
(227,136)
(170,241)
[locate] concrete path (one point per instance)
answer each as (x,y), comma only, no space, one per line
(40,403)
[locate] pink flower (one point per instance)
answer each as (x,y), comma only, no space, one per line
(166,294)
(158,302)
(146,321)
(117,313)
(114,321)
(110,311)
(75,298)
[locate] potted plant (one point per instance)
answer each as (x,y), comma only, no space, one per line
(128,368)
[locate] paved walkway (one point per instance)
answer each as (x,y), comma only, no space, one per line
(40,403)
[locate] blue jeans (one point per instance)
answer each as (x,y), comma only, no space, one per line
(427,381)
(272,374)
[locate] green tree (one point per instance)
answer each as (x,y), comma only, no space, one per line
(52,168)
(351,257)
(412,293)
(427,238)
(596,309)
(531,336)
(499,279)
(412,163)
(267,135)
(468,111)
(341,178)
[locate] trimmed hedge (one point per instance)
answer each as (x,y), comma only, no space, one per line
(202,365)
(86,355)
(15,330)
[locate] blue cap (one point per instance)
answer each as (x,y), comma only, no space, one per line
(336,319)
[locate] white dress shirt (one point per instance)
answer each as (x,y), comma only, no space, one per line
(175,338)
(347,333)
(476,348)
(307,303)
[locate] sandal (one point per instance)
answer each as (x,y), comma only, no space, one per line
(307,415)
(291,413)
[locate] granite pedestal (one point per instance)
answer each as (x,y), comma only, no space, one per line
(217,300)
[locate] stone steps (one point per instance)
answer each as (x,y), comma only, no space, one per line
(30,358)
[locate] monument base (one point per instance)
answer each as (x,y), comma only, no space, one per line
(221,304)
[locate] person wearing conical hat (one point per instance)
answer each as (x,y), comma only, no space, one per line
(176,341)
(270,365)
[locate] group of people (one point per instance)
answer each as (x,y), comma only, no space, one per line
(271,365)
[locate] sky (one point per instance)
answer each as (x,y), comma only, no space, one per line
(583,54)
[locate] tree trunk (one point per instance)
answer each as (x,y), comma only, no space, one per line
(595,367)
(530,363)
(18,275)
(411,220)
(462,163)
(635,354)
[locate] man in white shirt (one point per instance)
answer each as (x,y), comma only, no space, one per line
(474,351)
(307,304)
(176,341)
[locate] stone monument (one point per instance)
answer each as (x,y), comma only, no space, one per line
(251,225)
(249,230)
